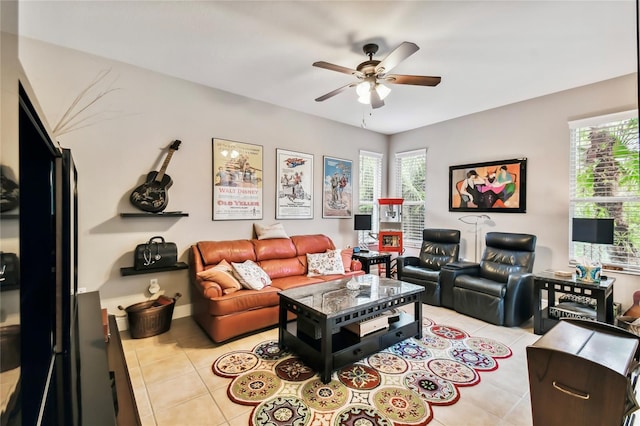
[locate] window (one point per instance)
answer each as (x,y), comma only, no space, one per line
(370,187)
(410,185)
(605,183)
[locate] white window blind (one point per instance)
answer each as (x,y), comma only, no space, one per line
(605,183)
(410,171)
(370,187)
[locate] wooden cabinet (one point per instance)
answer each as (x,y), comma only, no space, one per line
(579,374)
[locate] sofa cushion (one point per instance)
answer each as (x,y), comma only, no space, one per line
(285,283)
(312,244)
(326,263)
(279,248)
(250,275)
(213,252)
(277,268)
(222,274)
(266,232)
(244,300)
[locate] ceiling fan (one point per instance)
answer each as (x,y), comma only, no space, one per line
(372,73)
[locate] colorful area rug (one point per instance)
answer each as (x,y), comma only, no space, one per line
(394,387)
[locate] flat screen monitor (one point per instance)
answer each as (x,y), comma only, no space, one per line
(362,222)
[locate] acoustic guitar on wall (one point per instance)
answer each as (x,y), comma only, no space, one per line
(151,196)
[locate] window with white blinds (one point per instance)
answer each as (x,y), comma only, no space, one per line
(605,183)
(411,170)
(370,187)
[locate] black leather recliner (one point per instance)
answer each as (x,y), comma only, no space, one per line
(439,247)
(499,289)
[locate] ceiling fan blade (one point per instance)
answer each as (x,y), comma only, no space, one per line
(401,53)
(376,102)
(333,67)
(416,80)
(335,92)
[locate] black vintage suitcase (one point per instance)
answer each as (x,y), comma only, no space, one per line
(155,253)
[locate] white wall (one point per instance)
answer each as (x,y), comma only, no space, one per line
(536,129)
(144,116)
(151,110)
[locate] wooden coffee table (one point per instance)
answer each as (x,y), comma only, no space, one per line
(322,311)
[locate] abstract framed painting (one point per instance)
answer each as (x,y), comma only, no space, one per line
(237,180)
(493,186)
(337,193)
(294,177)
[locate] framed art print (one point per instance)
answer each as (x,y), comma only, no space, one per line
(494,186)
(337,189)
(237,180)
(294,177)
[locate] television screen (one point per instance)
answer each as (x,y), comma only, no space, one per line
(362,222)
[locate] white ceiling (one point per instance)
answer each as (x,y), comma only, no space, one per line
(489,53)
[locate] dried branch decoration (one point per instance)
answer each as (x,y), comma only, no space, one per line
(71,120)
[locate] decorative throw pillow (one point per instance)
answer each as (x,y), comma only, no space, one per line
(346,254)
(267,232)
(250,275)
(327,263)
(223,275)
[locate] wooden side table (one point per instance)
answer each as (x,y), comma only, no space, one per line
(374,258)
(602,292)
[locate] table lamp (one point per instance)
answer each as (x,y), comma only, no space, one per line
(592,231)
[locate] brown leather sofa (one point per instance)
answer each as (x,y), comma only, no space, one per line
(224,316)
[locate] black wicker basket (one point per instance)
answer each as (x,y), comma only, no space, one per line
(150,318)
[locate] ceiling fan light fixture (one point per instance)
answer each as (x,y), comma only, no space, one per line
(363,89)
(383,91)
(366,99)
(371,72)
(364,92)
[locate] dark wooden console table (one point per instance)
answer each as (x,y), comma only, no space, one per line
(323,310)
(602,292)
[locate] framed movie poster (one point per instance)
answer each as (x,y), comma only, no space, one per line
(337,192)
(237,180)
(494,186)
(294,180)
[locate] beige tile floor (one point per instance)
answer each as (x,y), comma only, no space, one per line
(174,385)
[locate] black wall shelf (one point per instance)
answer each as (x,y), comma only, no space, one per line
(130,270)
(158,214)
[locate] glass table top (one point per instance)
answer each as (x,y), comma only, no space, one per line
(552,276)
(333,297)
